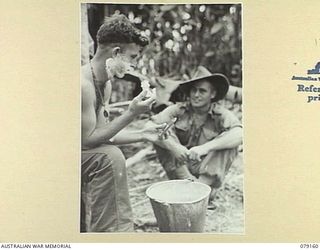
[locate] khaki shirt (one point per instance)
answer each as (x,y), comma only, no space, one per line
(219,120)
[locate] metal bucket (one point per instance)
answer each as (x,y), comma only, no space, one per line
(179,205)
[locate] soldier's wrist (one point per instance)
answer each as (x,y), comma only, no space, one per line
(130,113)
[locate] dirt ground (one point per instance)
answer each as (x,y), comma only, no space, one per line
(227,217)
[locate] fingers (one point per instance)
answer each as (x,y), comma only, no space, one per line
(155,128)
(194,156)
(141,95)
(184,156)
(152,124)
(160,126)
(166,133)
(149,101)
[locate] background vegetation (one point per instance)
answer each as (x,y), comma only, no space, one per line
(182,37)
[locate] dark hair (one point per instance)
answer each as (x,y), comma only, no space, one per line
(118,29)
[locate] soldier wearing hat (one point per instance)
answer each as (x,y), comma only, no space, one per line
(204,139)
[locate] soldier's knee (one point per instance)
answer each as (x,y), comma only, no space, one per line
(114,162)
(113,156)
(116,156)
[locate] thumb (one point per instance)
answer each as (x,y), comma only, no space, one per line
(149,101)
(141,95)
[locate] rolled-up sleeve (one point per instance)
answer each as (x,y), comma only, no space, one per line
(229,120)
(168,114)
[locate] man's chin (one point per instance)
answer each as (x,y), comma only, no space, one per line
(196,104)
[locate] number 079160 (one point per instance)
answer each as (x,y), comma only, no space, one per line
(309,245)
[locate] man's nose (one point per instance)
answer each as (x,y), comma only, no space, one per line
(196,93)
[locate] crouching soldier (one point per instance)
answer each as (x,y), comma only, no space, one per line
(204,138)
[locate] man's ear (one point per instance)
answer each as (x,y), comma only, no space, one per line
(213,93)
(115,51)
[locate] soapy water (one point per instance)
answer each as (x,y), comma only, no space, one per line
(178,191)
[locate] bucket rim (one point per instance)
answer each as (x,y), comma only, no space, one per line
(177,202)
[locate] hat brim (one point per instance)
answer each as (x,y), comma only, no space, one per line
(219,81)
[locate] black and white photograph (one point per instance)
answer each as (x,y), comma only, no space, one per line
(161,119)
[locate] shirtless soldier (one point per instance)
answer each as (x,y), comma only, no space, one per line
(105,205)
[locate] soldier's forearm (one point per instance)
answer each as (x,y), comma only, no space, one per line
(227,140)
(104,134)
(126,136)
(169,144)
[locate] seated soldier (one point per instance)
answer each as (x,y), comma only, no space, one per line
(204,139)
(105,204)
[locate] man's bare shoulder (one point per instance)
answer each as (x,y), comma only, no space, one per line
(87,88)
(86,83)
(85,72)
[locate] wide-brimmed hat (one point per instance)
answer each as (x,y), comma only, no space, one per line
(219,81)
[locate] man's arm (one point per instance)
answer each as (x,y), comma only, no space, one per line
(230,138)
(148,133)
(226,140)
(92,136)
(172,142)
(166,116)
(126,136)
(173,145)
